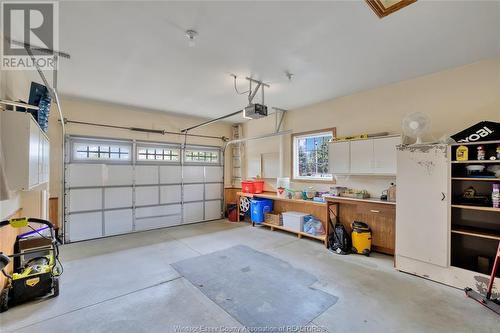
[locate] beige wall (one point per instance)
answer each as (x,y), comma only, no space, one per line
(454,99)
(105,113)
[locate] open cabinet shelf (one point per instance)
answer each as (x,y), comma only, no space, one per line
(476,162)
(476,232)
(473,179)
(475,229)
(480,208)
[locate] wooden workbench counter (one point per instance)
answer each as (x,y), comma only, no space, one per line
(379,215)
(317,209)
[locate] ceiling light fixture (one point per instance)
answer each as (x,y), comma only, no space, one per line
(191,36)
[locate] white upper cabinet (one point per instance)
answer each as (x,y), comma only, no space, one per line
(384,155)
(361,157)
(26,151)
(338,157)
(364,157)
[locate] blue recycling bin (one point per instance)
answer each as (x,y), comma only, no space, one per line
(258,209)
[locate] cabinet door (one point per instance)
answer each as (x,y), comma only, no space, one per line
(34,154)
(45,159)
(422,204)
(362,157)
(384,155)
(339,157)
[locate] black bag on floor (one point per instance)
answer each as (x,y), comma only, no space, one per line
(340,241)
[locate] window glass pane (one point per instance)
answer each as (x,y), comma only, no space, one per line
(94,151)
(157,154)
(311,156)
(204,156)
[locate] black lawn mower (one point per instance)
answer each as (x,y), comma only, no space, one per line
(36,271)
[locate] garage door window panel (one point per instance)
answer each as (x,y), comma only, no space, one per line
(101,151)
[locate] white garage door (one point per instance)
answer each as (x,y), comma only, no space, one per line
(116,186)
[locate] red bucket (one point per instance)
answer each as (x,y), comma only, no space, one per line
(258,186)
(248,186)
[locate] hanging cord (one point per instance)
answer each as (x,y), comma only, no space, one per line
(183,152)
(236,89)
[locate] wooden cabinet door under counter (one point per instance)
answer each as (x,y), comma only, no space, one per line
(379,215)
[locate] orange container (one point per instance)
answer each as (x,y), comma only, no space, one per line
(258,186)
(248,186)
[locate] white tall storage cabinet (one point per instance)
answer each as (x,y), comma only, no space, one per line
(422,208)
(26,149)
(423,217)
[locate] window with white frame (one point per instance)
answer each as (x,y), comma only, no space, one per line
(98,151)
(310,155)
(201,156)
(165,154)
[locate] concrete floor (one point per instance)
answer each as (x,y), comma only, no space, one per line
(125,284)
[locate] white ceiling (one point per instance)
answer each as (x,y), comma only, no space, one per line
(136,53)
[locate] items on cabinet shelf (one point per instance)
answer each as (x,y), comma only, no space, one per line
(462,153)
(360,136)
(471,197)
(495,196)
(481,153)
(475,170)
(274,219)
(313,226)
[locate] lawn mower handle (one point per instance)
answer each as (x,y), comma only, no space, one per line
(30,219)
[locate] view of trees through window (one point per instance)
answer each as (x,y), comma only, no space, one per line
(311,154)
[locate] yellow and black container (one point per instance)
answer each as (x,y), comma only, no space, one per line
(361,238)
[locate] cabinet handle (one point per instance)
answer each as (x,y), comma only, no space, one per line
(444,196)
(374,211)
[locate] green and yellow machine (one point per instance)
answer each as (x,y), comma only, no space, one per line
(39,275)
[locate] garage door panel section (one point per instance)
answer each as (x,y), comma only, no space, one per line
(157,222)
(153,211)
(157,217)
(170,174)
(213,210)
(118,222)
(115,175)
(213,191)
(118,197)
(146,174)
(84,226)
(146,195)
(193,192)
(194,174)
(170,194)
(213,174)
(84,175)
(85,199)
(193,212)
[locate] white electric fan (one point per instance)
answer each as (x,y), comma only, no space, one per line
(415,125)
